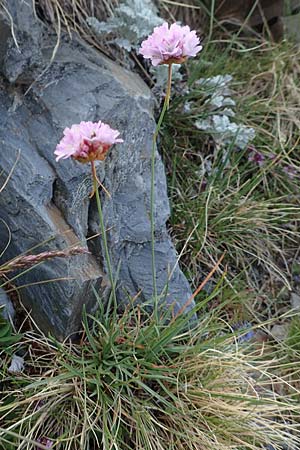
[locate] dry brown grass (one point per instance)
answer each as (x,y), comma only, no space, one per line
(71,15)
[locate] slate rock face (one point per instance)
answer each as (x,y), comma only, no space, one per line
(46,203)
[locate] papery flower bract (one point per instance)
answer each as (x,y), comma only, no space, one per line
(170,45)
(87,141)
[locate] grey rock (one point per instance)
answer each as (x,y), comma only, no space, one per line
(295,300)
(47,203)
(280,332)
(6,307)
(291,27)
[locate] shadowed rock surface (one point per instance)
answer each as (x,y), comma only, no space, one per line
(6,306)
(47,203)
(257,14)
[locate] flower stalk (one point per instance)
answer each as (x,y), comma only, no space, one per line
(166,45)
(88,142)
(152,189)
(103,231)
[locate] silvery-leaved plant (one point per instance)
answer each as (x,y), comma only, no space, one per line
(160,74)
(220,107)
(132,21)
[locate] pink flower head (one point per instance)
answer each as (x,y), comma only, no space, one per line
(167,46)
(86,142)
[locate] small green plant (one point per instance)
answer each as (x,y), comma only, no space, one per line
(7,335)
(133,384)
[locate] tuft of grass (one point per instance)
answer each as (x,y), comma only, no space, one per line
(287,351)
(131,383)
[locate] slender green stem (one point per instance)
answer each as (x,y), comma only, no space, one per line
(103,232)
(152,196)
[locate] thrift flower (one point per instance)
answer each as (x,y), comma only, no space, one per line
(170,45)
(256,157)
(86,142)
